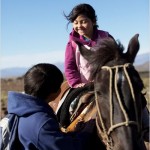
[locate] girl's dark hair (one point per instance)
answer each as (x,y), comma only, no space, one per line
(84,9)
(42,79)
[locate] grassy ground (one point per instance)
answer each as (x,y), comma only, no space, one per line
(146,90)
(16,84)
(12,84)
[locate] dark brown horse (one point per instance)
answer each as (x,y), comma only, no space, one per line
(116,93)
(118,88)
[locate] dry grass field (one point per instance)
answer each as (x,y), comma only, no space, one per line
(11,84)
(146,82)
(16,84)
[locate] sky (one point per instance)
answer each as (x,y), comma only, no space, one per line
(35,31)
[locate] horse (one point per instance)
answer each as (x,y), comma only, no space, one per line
(116,94)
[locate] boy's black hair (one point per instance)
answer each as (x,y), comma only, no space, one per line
(42,79)
(84,9)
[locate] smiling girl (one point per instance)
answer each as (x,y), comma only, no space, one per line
(85,30)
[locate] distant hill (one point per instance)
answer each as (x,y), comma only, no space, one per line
(142,59)
(13,72)
(143,67)
(141,63)
(18,72)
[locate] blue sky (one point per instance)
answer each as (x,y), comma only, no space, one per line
(34,31)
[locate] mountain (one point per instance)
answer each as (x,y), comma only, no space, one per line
(143,67)
(18,72)
(141,59)
(13,72)
(141,64)
(60,65)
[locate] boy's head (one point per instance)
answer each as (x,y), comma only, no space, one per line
(42,80)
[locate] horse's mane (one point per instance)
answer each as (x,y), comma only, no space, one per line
(105,51)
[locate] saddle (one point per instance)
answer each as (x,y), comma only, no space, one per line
(63,89)
(76,100)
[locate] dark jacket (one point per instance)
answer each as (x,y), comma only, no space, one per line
(38,128)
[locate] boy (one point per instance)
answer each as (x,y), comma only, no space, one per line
(38,128)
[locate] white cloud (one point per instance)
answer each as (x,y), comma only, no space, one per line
(28,60)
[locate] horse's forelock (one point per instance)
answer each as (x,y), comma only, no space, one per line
(105,51)
(108,49)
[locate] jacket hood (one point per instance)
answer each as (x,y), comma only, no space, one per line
(24,104)
(74,36)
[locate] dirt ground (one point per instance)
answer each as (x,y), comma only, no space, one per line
(16,84)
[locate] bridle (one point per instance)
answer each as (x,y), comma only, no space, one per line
(105,134)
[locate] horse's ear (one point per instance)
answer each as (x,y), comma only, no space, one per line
(133,48)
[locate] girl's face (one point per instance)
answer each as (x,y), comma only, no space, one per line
(83,26)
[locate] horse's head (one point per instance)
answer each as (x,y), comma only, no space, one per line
(118,89)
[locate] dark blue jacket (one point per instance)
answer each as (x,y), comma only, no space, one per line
(38,127)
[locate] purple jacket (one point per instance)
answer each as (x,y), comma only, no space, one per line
(77,69)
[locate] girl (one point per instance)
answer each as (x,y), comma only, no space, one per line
(85,30)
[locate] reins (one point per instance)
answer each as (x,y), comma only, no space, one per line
(104,132)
